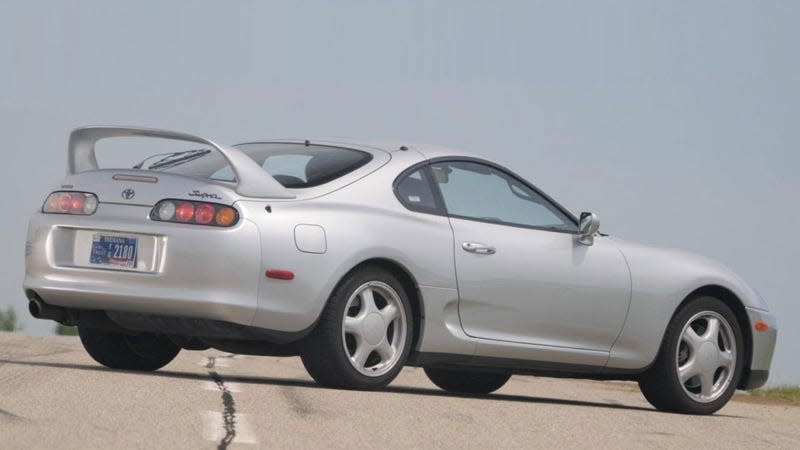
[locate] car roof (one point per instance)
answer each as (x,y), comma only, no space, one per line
(428,151)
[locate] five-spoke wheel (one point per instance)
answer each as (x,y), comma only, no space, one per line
(706,355)
(699,365)
(374,328)
(364,334)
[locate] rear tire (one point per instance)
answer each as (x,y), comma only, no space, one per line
(466,381)
(142,352)
(708,357)
(364,335)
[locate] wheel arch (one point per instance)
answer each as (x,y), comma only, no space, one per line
(410,286)
(737,306)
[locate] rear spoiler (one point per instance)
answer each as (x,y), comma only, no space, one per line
(251,179)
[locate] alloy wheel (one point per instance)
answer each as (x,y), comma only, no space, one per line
(706,356)
(374,328)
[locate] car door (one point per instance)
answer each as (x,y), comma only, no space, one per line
(522,275)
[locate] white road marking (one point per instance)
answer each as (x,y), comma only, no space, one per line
(214,428)
(226,427)
(221,362)
(211,362)
(212,386)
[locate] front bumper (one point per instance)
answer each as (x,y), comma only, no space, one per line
(763,349)
(183,270)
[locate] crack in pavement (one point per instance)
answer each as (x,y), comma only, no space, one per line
(229,414)
(9,415)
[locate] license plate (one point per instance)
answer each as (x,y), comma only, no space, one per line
(117,251)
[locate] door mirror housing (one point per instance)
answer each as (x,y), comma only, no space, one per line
(589,225)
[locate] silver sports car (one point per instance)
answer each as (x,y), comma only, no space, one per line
(365,257)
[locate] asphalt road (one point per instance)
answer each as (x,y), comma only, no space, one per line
(52,395)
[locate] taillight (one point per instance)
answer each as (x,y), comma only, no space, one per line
(199,213)
(204,213)
(62,202)
(184,212)
(226,217)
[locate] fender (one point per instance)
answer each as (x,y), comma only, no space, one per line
(661,279)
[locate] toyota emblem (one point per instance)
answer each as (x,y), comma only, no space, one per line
(128,194)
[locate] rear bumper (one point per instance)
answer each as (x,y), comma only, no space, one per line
(763,349)
(184,270)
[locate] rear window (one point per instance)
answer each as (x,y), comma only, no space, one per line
(292,165)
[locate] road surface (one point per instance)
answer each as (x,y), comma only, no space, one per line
(52,395)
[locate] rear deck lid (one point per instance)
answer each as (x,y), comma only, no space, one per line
(146,188)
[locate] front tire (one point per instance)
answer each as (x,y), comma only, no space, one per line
(364,335)
(466,381)
(700,361)
(142,352)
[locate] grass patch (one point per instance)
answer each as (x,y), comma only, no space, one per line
(64,330)
(790,394)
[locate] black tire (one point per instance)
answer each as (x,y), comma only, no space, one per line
(324,353)
(660,383)
(142,352)
(466,381)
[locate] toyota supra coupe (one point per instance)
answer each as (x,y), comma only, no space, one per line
(362,258)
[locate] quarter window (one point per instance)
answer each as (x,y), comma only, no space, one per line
(292,165)
(415,192)
(477,191)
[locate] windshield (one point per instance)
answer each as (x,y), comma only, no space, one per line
(292,165)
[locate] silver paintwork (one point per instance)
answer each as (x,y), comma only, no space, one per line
(541,288)
(536,295)
(589,225)
(705,361)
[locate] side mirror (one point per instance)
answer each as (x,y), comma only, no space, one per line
(590,223)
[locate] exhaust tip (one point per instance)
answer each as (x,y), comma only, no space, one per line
(35,307)
(41,310)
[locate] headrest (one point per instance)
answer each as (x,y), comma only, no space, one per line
(323,164)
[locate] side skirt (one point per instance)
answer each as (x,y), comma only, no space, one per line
(519,366)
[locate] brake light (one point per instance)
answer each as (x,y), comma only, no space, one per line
(65,203)
(76,203)
(204,214)
(184,212)
(198,213)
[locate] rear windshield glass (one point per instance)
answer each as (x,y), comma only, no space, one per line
(292,165)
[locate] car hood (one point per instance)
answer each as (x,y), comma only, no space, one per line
(677,273)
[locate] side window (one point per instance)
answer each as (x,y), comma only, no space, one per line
(294,166)
(289,170)
(415,192)
(477,191)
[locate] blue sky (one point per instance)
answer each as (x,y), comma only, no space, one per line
(675,121)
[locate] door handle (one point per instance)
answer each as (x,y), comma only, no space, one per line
(481,249)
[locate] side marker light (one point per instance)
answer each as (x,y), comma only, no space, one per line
(279,274)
